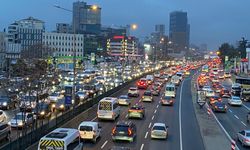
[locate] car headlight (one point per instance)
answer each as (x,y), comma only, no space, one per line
(61,106)
(53,105)
(5,103)
(20,123)
(42,113)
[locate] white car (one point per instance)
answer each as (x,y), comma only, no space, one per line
(124,100)
(21,119)
(55,96)
(159,131)
(206,88)
(147,96)
(133,91)
(89,130)
(210,93)
(3,116)
(235,100)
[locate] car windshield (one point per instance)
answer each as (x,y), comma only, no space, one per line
(19,117)
(147,94)
(167,98)
(124,96)
(122,128)
(132,89)
(236,99)
(159,128)
(248,134)
(86,128)
(136,107)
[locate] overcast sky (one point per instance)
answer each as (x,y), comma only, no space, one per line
(212,21)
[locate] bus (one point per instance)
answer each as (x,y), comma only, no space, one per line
(170,90)
(205,68)
(61,139)
(108,108)
(245,87)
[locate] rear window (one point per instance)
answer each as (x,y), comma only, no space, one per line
(135,108)
(86,128)
(132,89)
(122,128)
(159,128)
(169,88)
(147,93)
(105,106)
(248,134)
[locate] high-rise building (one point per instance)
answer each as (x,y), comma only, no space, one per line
(2,49)
(86,18)
(63,28)
(27,32)
(160,28)
(179,30)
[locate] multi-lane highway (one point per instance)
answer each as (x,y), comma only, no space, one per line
(184,132)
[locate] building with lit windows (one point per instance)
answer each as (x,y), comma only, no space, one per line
(122,46)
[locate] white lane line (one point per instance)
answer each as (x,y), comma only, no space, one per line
(159,102)
(126,116)
(153,117)
(246,107)
(157,106)
(146,135)
(94,118)
(243,123)
(142,147)
(236,116)
(155,111)
(149,125)
(104,144)
(230,110)
(181,148)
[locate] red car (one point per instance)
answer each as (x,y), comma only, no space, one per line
(142,84)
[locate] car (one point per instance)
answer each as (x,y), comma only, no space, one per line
(60,105)
(89,130)
(124,100)
(214,99)
(244,137)
(28,103)
(159,131)
(221,76)
(215,80)
(150,79)
(210,93)
(3,116)
(219,106)
(235,100)
(227,75)
(83,95)
(147,96)
(90,89)
(225,93)
(120,148)
(217,88)
(157,75)
(167,100)
(142,83)
(53,97)
(124,131)
(5,131)
(42,110)
(100,79)
(206,88)
(6,103)
(133,91)
(156,90)
(22,120)
(136,111)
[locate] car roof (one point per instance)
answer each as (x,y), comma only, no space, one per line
(159,124)
(235,97)
(125,123)
(133,88)
(88,123)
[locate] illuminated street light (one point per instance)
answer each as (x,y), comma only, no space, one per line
(218,53)
(134,26)
(94,7)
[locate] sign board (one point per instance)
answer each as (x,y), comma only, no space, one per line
(68,95)
(201,98)
(226,58)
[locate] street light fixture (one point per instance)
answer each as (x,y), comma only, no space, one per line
(134,26)
(94,7)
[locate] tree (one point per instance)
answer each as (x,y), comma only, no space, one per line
(242,47)
(227,50)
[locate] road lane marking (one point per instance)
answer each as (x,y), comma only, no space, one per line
(153,117)
(126,116)
(243,123)
(149,125)
(159,102)
(146,135)
(236,116)
(230,110)
(246,107)
(142,147)
(157,106)
(104,144)
(155,111)
(181,148)
(94,118)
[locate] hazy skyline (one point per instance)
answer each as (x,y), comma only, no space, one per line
(212,22)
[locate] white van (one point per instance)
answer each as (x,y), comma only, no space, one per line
(61,138)
(180,75)
(150,79)
(89,130)
(108,108)
(170,90)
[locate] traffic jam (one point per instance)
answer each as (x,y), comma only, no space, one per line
(227,95)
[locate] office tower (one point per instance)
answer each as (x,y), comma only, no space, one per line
(160,28)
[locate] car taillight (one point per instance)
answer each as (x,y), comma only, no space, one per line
(129,132)
(130,110)
(113,130)
(219,99)
(246,140)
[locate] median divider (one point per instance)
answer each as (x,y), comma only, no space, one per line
(32,137)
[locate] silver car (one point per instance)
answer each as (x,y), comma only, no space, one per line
(3,116)
(244,137)
(124,100)
(159,131)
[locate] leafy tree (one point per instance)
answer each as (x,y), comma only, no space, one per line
(242,47)
(227,50)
